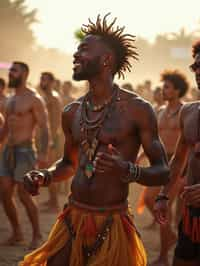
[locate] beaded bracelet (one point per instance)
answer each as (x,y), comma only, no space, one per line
(134,174)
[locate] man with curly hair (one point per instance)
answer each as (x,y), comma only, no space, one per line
(187,252)
(175,86)
(103,133)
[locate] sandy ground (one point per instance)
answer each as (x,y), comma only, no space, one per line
(10,256)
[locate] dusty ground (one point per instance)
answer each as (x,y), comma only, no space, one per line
(9,256)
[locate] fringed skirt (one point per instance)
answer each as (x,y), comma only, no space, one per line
(98,236)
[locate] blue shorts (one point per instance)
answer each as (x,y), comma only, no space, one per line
(24,161)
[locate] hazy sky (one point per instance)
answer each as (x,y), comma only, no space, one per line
(59,18)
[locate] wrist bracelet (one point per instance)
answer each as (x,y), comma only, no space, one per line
(161,197)
(47,177)
(134,174)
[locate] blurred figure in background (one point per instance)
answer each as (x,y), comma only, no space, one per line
(158,99)
(24,111)
(128,86)
(3,97)
(57,86)
(147,91)
(67,90)
(175,86)
(187,251)
(54,107)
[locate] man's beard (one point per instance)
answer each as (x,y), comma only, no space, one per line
(14,82)
(88,71)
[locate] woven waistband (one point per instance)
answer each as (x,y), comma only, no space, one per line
(113,208)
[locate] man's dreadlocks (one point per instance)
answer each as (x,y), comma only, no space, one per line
(120,43)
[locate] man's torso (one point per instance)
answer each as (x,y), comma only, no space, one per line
(120,130)
(20,118)
(191,124)
(169,129)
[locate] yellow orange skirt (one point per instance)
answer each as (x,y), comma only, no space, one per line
(120,246)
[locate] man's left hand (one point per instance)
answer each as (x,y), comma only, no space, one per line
(110,162)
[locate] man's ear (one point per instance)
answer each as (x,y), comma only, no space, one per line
(108,60)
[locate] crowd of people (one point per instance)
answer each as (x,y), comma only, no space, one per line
(112,136)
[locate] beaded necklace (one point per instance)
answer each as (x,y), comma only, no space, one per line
(90,129)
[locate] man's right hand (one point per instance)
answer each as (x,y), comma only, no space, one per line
(32,182)
(161,212)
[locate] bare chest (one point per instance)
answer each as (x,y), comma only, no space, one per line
(168,122)
(19,106)
(116,127)
(191,126)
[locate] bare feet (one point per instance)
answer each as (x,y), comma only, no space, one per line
(36,242)
(14,240)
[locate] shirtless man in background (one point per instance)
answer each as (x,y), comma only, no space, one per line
(67,90)
(174,88)
(3,97)
(54,107)
(24,111)
(187,252)
(159,102)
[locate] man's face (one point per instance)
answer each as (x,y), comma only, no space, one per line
(45,82)
(88,59)
(169,92)
(15,76)
(195,67)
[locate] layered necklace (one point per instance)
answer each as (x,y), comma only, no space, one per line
(90,128)
(174,113)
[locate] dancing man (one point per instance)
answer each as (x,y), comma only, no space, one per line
(103,133)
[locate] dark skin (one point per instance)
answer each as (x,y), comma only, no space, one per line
(186,150)
(132,119)
(131,123)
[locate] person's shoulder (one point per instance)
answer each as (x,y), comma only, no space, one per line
(137,106)
(72,107)
(135,101)
(189,107)
(131,97)
(160,109)
(69,112)
(35,96)
(56,95)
